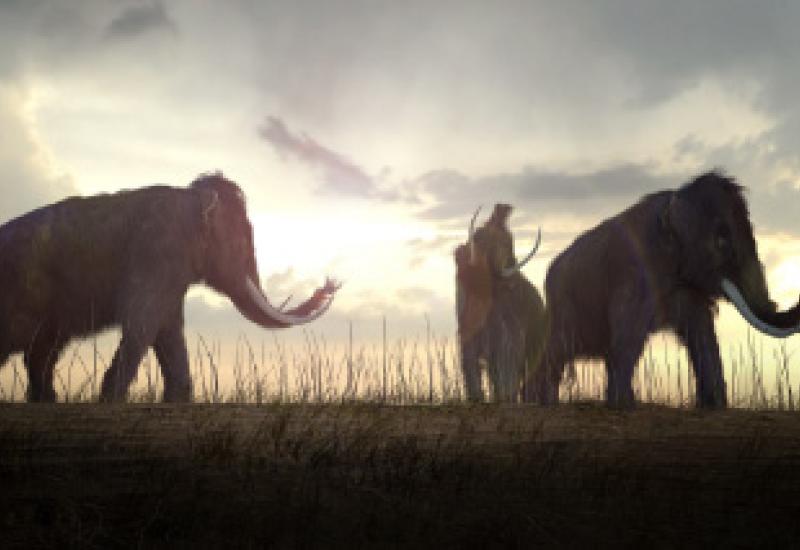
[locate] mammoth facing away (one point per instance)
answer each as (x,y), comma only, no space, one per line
(500,313)
(84,264)
(661,264)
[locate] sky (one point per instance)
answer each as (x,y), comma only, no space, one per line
(364,134)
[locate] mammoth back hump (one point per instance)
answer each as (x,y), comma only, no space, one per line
(578,277)
(84,246)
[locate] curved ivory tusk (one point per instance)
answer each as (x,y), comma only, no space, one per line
(736,298)
(507,272)
(471,238)
(270,311)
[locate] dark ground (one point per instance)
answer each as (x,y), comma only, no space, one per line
(94,476)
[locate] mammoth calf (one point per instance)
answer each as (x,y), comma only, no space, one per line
(661,264)
(500,313)
(84,264)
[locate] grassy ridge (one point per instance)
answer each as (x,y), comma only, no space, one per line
(425,369)
(369,475)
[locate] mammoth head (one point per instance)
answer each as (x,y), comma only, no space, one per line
(487,257)
(492,245)
(717,253)
(229,261)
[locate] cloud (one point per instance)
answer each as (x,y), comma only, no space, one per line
(448,196)
(29,180)
(766,165)
(776,209)
(340,176)
(669,46)
(423,249)
(139,20)
(538,192)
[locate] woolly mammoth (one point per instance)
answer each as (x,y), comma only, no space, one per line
(500,313)
(84,264)
(661,264)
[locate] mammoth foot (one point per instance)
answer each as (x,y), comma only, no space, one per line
(41,396)
(620,399)
(178,394)
(711,394)
(105,397)
(540,394)
(620,404)
(712,402)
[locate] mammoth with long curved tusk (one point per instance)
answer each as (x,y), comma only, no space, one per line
(127,259)
(661,264)
(500,313)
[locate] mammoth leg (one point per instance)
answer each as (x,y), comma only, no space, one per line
(131,350)
(506,364)
(534,358)
(170,348)
(543,388)
(620,364)
(699,336)
(471,368)
(630,321)
(40,359)
(559,346)
(536,363)
(504,378)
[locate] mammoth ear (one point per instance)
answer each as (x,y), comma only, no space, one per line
(209,201)
(500,214)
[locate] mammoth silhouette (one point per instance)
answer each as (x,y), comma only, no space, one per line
(500,313)
(127,259)
(661,264)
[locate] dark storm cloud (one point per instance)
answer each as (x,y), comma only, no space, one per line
(141,19)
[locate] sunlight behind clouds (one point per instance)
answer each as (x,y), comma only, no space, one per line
(362,246)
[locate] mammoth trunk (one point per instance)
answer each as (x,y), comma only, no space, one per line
(748,292)
(251,301)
